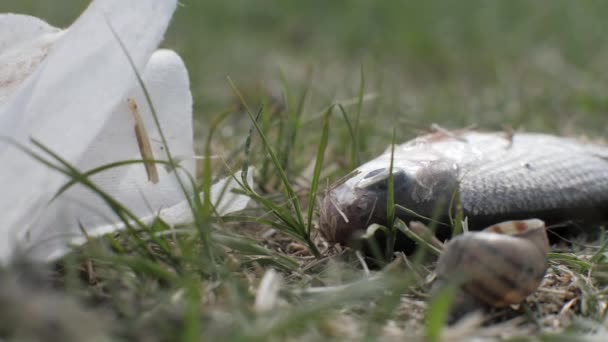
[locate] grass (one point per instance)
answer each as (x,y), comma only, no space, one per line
(314,88)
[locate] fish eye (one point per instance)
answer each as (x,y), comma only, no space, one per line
(380,186)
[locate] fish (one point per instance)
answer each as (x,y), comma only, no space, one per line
(490,176)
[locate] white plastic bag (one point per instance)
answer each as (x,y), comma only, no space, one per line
(68,89)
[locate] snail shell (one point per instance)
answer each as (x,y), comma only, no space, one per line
(498,266)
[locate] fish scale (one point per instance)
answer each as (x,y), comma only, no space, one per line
(498,177)
(551,176)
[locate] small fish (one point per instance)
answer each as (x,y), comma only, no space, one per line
(494,177)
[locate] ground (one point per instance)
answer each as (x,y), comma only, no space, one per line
(393,66)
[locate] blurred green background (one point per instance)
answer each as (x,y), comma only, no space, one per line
(538,65)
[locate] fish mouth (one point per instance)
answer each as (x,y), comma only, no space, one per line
(344,224)
(349,208)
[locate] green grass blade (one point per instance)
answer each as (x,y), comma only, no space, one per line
(438,312)
(109,166)
(360,98)
(415,214)
(571,260)
(354,160)
(456,206)
(420,241)
(192,330)
(318,166)
(294,121)
(600,254)
(390,205)
(286,127)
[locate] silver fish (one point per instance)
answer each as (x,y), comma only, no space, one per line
(495,176)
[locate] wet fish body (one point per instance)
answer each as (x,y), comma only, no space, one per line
(495,177)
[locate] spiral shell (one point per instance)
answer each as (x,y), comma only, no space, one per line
(498,266)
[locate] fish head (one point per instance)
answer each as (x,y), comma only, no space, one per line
(361,198)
